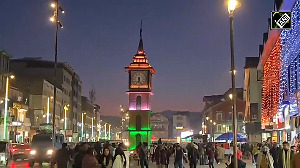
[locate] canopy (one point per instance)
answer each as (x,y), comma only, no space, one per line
(229,137)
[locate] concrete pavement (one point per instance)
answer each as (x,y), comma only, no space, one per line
(133,164)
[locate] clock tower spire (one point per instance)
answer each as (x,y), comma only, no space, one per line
(139,94)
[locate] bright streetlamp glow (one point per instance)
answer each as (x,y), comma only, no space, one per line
(105,134)
(109,132)
(230,96)
(48,110)
(52,19)
(66,108)
(53,5)
(215,123)
(5,106)
(207,118)
(232,4)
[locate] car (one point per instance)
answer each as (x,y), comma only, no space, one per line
(42,147)
(4,153)
(20,151)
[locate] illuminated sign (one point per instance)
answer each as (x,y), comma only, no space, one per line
(179,128)
(186,134)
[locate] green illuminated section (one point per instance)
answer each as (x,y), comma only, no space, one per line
(145,137)
(143,128)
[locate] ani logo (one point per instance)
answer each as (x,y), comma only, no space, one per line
(281,20)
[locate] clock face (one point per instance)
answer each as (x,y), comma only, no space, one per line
(139,79)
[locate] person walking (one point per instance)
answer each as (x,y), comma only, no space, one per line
(285,156)
(255,153)
(165,155)
(201,151)
(193,155)
(211,156)
(178,156)
(120,158)
(143,153)
(274,151)
(89,160)
(295,161)
(62,157)
(221,151)
(105,160)
(265,160)
(79,155)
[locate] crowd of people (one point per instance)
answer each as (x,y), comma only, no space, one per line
(264,155)
(192,154)
(85,156)
(273,155)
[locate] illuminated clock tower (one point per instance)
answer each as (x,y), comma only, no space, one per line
(139,93)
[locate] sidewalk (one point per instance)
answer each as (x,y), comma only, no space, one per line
(133,164)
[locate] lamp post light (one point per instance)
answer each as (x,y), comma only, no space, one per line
(213,131)
(232,4)
(5,105)
(109,136)
(57,8)
(66,108)
(82,124)
(105,132)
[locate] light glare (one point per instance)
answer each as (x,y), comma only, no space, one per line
(53,5)
(52,19)
(232,5)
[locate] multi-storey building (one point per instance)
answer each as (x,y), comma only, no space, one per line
(180,123)
(252,97)
(67,81)
(159,126)
(88,119)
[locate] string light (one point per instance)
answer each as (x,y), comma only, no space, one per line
(270,93)
(290,68)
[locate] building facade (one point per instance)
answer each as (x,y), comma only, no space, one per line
(88,120)
(181,123)
(68,82)
(159,126)
(279,63)
(252,98)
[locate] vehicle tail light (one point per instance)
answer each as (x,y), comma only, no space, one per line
(13,165)
(22,144)
(27,149)
(15,150)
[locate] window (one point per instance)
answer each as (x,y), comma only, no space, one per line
(219,128)
(254,117)
(229,128)
(138,102)
(179,117)
(230,116)
(138,122)
(219,116)
(240,116)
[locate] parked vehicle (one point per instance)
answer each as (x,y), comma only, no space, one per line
(42,147)
(4,153)
(20,151)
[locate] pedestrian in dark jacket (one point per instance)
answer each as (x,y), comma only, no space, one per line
(157,154)
(62,157)
(211,156)
(274,151)
(165,155)
(79,155)
(193,155)
(285,156)
(105,160)
(143,153)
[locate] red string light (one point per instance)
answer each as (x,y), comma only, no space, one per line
(270,93)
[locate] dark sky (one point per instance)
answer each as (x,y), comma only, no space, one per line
(186,41)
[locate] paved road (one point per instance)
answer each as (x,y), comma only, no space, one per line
(222,165)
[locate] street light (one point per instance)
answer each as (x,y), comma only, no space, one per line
(66,108)
(105,134)
(82,124)
(5,105)
(55,5)
(232,4)
(109,132)
(93,127)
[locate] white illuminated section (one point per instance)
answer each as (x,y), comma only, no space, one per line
(186,134)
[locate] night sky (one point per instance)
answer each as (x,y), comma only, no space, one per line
(186,41)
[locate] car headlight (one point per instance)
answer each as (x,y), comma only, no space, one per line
(49,152)
(32,152)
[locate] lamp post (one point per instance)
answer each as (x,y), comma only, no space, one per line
(57,8)
(213,131)
(105,134)
(109,131)
(232,4)
(82,124)
(5,106)
(66,108)
(93,127)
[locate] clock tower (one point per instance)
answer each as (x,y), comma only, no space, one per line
(139,93)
